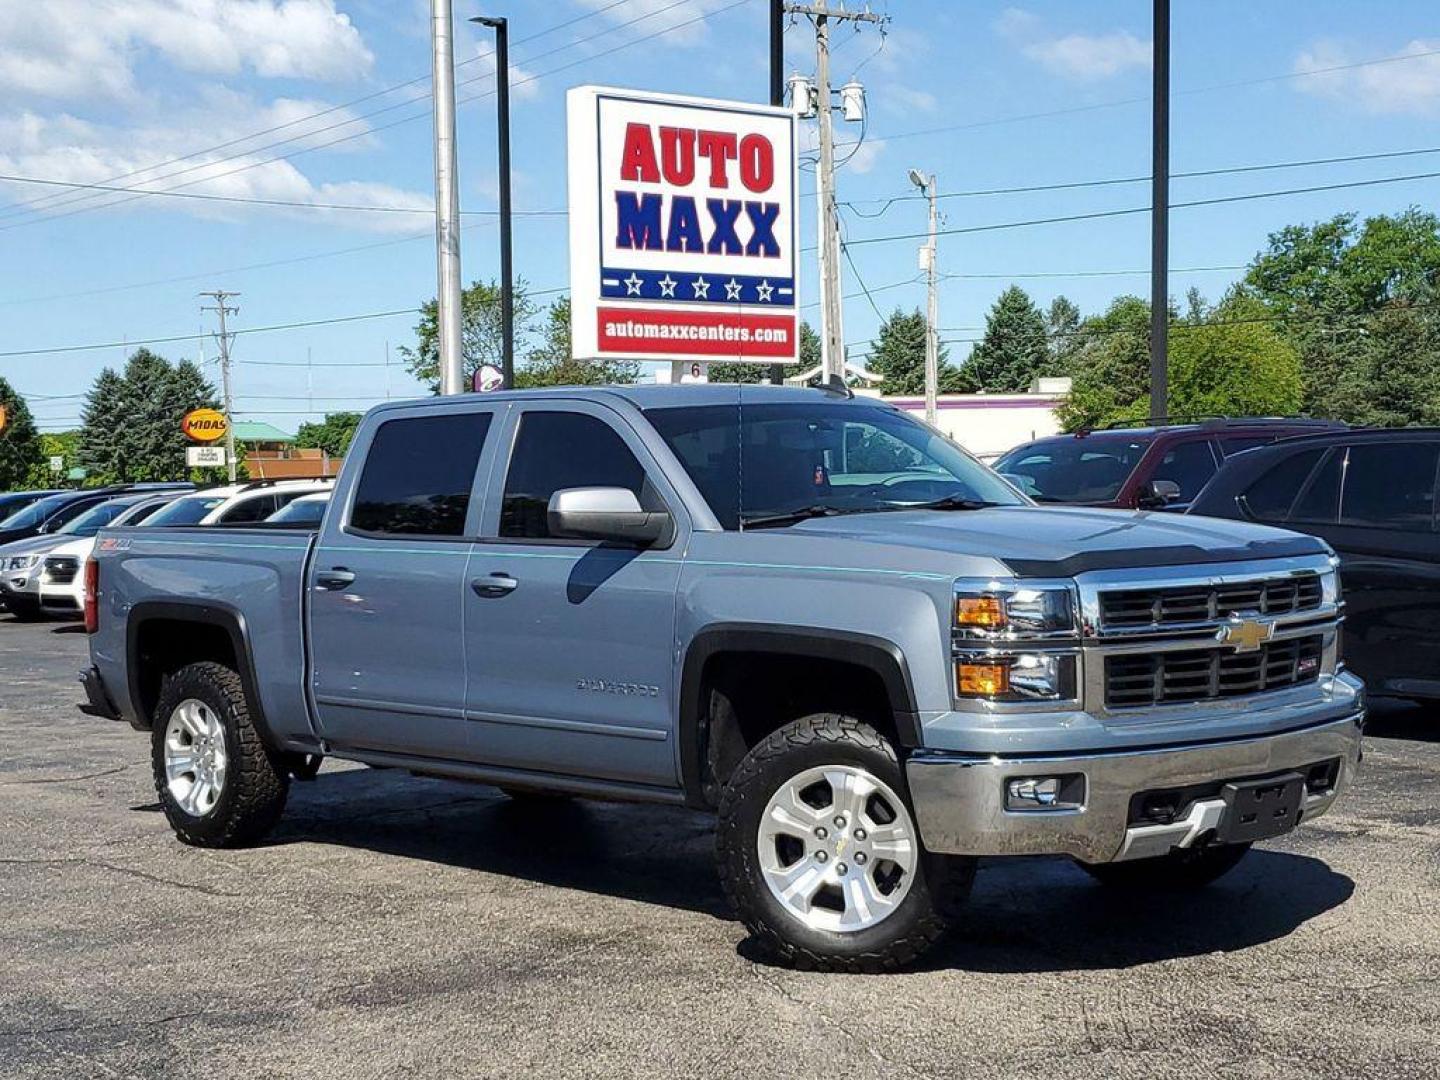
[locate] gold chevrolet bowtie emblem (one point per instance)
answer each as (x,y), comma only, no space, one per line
(1246,635)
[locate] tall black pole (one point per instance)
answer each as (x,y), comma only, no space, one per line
(777,97)
(507,280)
(1160,213)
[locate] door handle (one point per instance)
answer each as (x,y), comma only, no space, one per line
(497,584)
(333,579)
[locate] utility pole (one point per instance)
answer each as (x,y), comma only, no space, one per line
(777,97)
(507,278)
(447,198)
(832,336)
(932,303)
(223,338)
(1160,213)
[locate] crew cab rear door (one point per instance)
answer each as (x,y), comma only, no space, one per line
(571,643)
(387,581)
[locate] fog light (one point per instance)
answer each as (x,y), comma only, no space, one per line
(1045,792)
(984,680)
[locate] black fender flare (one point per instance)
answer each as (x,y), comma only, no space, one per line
(205,613)
(878,654)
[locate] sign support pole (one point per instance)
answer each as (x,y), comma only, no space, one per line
(447,199)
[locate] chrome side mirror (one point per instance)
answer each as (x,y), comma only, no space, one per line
(605,513)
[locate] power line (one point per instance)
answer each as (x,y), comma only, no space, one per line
(1097,214)
(78,209)
(21,207)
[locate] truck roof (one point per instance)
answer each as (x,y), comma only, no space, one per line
(652,396)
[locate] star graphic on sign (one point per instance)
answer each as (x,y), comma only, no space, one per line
(667,285)
(764,291)
(732,289)
(702,288)
(633,283)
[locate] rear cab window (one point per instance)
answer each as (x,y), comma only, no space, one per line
(419,474)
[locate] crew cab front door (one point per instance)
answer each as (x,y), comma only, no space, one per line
(570,643)
(387,584)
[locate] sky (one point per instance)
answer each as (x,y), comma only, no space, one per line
(325,103)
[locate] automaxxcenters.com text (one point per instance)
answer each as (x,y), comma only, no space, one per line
(701,333)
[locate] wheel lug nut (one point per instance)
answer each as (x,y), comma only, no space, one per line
(821,832)
(859,834)
(859,858)
(821,856)
(840,868)
(839,822)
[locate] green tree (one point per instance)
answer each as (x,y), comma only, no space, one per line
(552,362)
(333,434)
(899,357)
(131,422)
(481,340)
(1062,325)
(760,373)
(19,441)
(61,444)
(1015,348)
(1341,292)
(1228,361)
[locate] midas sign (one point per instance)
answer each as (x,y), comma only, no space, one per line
(205,425)
(683,233)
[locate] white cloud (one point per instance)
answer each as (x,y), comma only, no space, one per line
(908,99)
(524,83)
(1400,86)
(1083,57)
(655,17)
(82,49)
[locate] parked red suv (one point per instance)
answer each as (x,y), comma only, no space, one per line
(1160,466)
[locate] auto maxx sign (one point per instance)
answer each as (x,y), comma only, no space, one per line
(683,234)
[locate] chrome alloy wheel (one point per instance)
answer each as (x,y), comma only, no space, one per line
(195,760)
(837,848)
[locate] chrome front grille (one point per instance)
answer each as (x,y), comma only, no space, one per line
(1165,678)
(1143,609)
(61,569)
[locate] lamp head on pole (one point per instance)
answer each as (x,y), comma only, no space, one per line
(494,22)
(919,179)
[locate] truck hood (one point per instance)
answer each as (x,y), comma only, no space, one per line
(33,545)
(1062,541)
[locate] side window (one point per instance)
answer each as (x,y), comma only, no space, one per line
(1188,464)
(558,450)
(257,508)
(418,475)
(1390,486)
(1319,502)
(1269,498)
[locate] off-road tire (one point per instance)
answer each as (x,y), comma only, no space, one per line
(1180,870)
(256,781)
(925,913)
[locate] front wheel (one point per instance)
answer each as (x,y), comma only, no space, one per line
(819,853)
(219,784)
(1176,871)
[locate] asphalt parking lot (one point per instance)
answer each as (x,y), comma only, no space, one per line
(404,926)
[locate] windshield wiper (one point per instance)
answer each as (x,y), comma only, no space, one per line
(952,502)
(790,517)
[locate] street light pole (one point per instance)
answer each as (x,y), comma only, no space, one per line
(1160,214)
(507,278)
(447,199)
(777,97)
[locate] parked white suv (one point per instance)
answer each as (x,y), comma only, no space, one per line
(237,504)
(59,579)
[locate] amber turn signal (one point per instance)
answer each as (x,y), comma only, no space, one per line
(986,612)
(983,680)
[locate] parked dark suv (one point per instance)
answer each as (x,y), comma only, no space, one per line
(1161,466)
(1372,496)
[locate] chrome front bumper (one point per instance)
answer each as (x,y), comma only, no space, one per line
(960,800)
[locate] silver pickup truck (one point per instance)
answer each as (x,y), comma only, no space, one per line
(872,657)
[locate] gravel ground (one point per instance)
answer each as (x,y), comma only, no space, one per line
(398,925)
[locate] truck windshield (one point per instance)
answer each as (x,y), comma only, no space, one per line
(1074,470)
(97,517)
(775,462)
(36,513)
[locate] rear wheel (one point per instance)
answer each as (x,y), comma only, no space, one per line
(219,785)
(819,854)
(1177,871)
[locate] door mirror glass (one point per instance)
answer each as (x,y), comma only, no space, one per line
(1158,493)
(605,513)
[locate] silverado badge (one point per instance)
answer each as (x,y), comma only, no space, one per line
(1247,635)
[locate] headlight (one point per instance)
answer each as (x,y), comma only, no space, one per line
(23,562)
(1012,610)
(1330,592)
